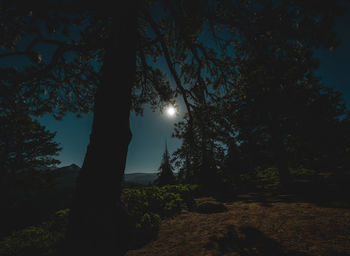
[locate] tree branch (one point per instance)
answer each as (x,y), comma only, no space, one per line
(17,53)
(169,62)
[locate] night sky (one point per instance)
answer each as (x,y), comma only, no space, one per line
(152,129)
(145,150)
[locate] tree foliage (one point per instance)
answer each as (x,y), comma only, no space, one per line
(283,114)
(27,156)
(165,174)
(26,145)
(272,109)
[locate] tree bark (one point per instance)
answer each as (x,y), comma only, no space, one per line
(281,157)
(283,169)
(97,222)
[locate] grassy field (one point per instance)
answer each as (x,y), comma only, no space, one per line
(256,224)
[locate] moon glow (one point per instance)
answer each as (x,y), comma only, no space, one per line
(170,111)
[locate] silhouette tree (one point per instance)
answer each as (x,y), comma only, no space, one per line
(165,175)
(342,151)
(27,152)
(25,145)
(200,154)
(271,100)
(283,114)
(89,56)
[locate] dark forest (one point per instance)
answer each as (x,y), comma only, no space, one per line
(263,167)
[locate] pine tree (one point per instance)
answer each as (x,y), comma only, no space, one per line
(27,153)
(25,145)
(165,175)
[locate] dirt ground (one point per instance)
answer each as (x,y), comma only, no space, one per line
(255,227)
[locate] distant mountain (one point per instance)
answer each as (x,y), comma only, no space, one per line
(140,178)
(68,174)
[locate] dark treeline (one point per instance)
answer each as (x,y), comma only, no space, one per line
(244,69)
(277,114)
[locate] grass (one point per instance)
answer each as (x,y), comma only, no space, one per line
(277,225)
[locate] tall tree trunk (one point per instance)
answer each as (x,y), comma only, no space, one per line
(281,157)
(97,223)
(283,169)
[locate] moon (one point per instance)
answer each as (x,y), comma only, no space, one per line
(170,111)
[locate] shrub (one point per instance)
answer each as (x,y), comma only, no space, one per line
(165,201)
(268,175)
(146,207)
(303,172)
(34,240)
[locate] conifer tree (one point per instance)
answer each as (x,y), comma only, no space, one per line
(25,145)
(27,157)
(165,175)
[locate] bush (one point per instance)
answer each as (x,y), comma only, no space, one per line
(34,240)
(303,172)
(146,207)
(268,175)
(165,201)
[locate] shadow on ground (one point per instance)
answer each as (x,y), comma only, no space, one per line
(247,241)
